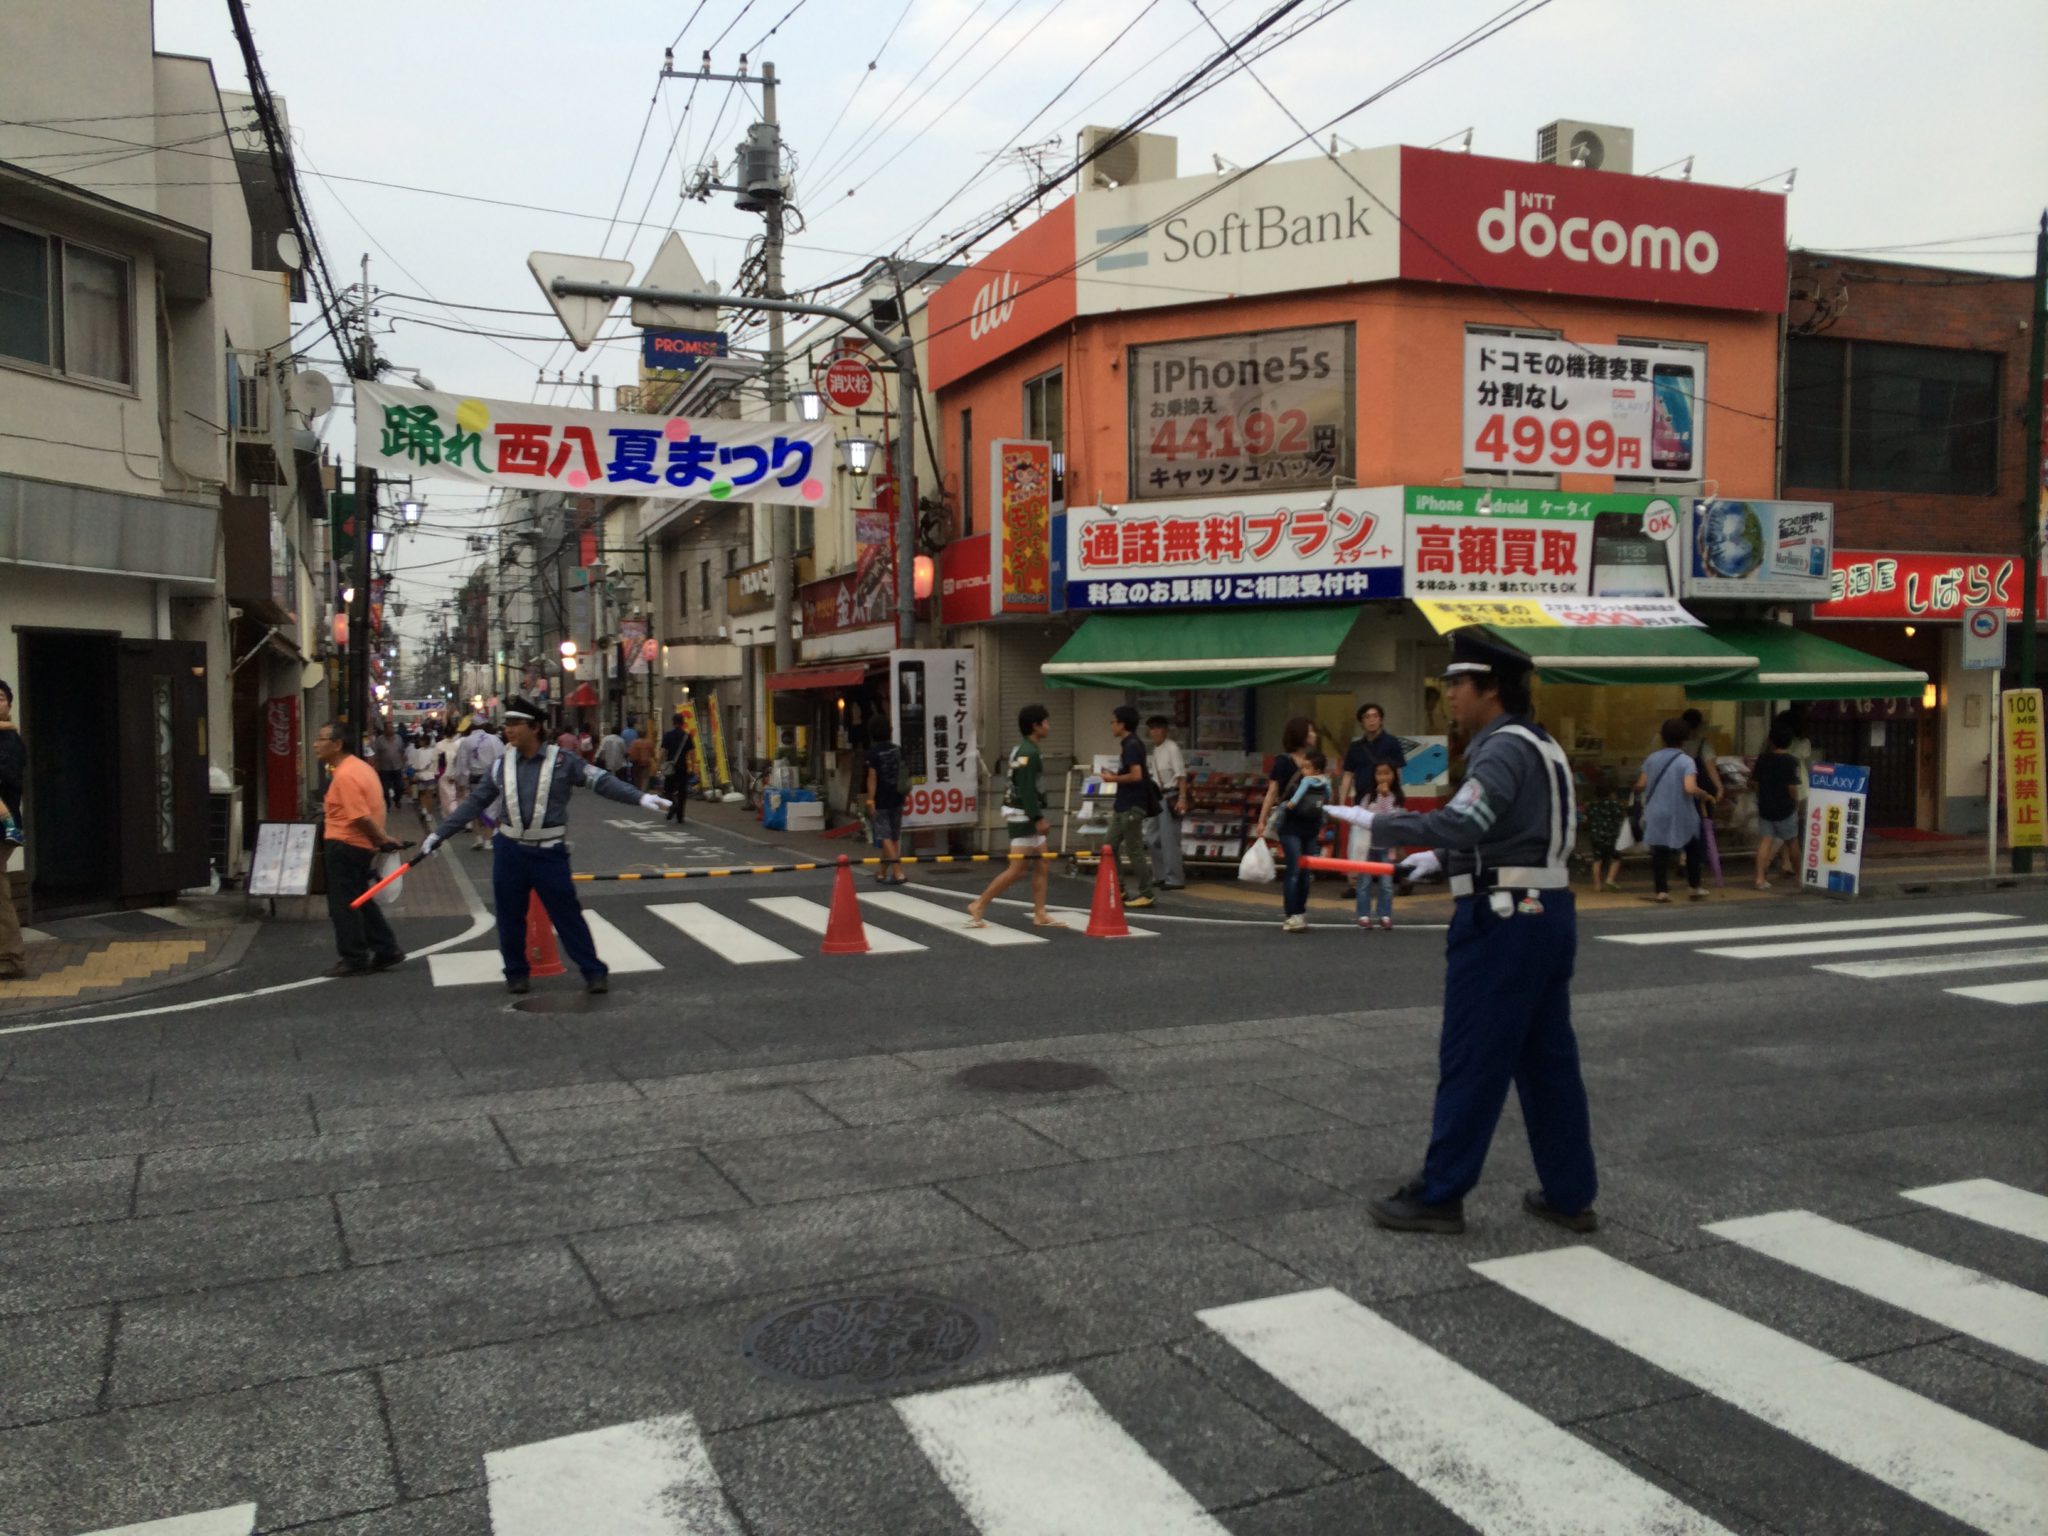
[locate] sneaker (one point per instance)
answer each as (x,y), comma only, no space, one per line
(1367,924)
(1386,925)
(1661,896)
(1697,894)
(1351,893)
(518,986)
(1139,901)
(1403,1211)
(1296,924)
(1585,1221)
(597,986)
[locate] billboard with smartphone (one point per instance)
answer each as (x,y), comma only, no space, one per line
(1764,549)
(1546,406)
(932,700)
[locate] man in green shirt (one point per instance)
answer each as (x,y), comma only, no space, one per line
(1024,810)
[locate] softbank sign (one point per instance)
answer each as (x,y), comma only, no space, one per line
(1532,222)
(1552,229)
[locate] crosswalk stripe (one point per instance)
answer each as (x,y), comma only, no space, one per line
(2012,993)
(466,968)
(952,919)
(1493,1462)
(1887,941)
(718,933)
(1979,1475)
(237,1520)
(1935,965)
(618,952)
(1788,930)
(1957,1298)
(651,1478)
(1039,1456)
(1989,1203)
(814,915)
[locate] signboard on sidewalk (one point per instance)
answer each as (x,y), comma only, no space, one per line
(2022,716)
(1836,795)
(283,865)
(932,696)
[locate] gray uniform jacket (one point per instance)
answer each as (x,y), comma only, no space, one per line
(570,771)
(1505,814)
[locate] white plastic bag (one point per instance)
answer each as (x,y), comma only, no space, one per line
(1625,839)
(1256,867)
(386,863)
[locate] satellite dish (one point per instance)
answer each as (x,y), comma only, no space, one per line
(1587,150)
(312,675)
(310,394)
(290,252)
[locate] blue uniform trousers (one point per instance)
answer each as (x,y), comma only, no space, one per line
(1507,1019)
(520,868)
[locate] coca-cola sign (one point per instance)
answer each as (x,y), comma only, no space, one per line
(281,758)
(1470,219)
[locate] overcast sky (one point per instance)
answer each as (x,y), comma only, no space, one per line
(1910,122)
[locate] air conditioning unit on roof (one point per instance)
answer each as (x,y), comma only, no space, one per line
(1588,146)
(1134,158)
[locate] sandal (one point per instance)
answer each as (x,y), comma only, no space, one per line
(1048,922)
(974,917)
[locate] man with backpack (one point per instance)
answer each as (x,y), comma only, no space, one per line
(1024,811)
(888,786)
(1137,800)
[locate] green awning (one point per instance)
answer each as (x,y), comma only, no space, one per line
(1796,664)
(1672,653)
(1202,648)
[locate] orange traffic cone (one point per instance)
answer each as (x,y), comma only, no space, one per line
(542,959)
(844,934)
(1106,918)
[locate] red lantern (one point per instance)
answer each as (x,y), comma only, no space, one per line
(921,576)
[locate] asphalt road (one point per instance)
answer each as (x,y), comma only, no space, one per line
(760,1243)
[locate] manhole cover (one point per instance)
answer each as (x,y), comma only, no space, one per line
(850,1343)
(1031,1076)
(558,1002)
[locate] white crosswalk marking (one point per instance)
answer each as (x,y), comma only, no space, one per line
(238,1520)
(1039,1457)
(721,935)
(1929,1452)
(1493,1462)
(1816,930)
(2013,994)
(814,915)
(1935,965)
(653,1478)
(619,953)
(1806,947)
(952,919)
(1989,1203)
(1945,1293)
(1077,919)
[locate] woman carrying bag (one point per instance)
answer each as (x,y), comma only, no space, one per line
(1298,835)
(1672,805)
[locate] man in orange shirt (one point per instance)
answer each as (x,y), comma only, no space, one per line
(355,836)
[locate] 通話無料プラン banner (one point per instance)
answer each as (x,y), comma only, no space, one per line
(537,447)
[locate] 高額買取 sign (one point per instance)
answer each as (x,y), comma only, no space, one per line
(1465,542)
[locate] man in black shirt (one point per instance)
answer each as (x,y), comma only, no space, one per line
(1374,745)
(677,746)
(1777,801)
(1126,840)
(13,770)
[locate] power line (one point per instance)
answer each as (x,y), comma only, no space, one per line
(862,78)
(825,172)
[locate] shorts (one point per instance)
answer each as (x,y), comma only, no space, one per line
(1026,844)
(1784,828)
(1606,853)
(888,823)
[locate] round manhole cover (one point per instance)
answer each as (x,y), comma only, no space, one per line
(557,1002)
(1031,1076)
(851,1343)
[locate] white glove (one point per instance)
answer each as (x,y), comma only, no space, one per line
(429,843)
(1421,866)
(654,803)
(1357,815)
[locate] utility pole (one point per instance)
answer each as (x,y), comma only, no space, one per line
(781,517)
(366,523)
(2032,495)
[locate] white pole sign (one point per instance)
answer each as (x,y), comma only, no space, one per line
(1835,798)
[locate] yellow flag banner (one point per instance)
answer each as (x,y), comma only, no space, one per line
(1447,614)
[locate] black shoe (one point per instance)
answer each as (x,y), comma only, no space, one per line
(597,984)
(518,985)
(388,962)
(344,968)
(1586,1221)
(1350,893)
(1403,1212)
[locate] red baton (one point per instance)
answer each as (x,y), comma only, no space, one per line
(396,874)
(1345,866)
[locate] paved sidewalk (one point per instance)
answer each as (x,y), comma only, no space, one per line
(118,954)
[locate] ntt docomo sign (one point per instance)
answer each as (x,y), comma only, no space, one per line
(1552,229)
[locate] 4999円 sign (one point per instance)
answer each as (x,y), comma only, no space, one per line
(1269,411)
(1544,405)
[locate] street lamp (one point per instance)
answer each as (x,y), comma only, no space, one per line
(410,511)
(858,453)
(378,539)
(810,405)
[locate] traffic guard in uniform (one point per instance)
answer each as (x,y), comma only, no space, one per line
(1505,836)
(532,851)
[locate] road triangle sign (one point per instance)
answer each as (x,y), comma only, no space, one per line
(580,317)
(675,269)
